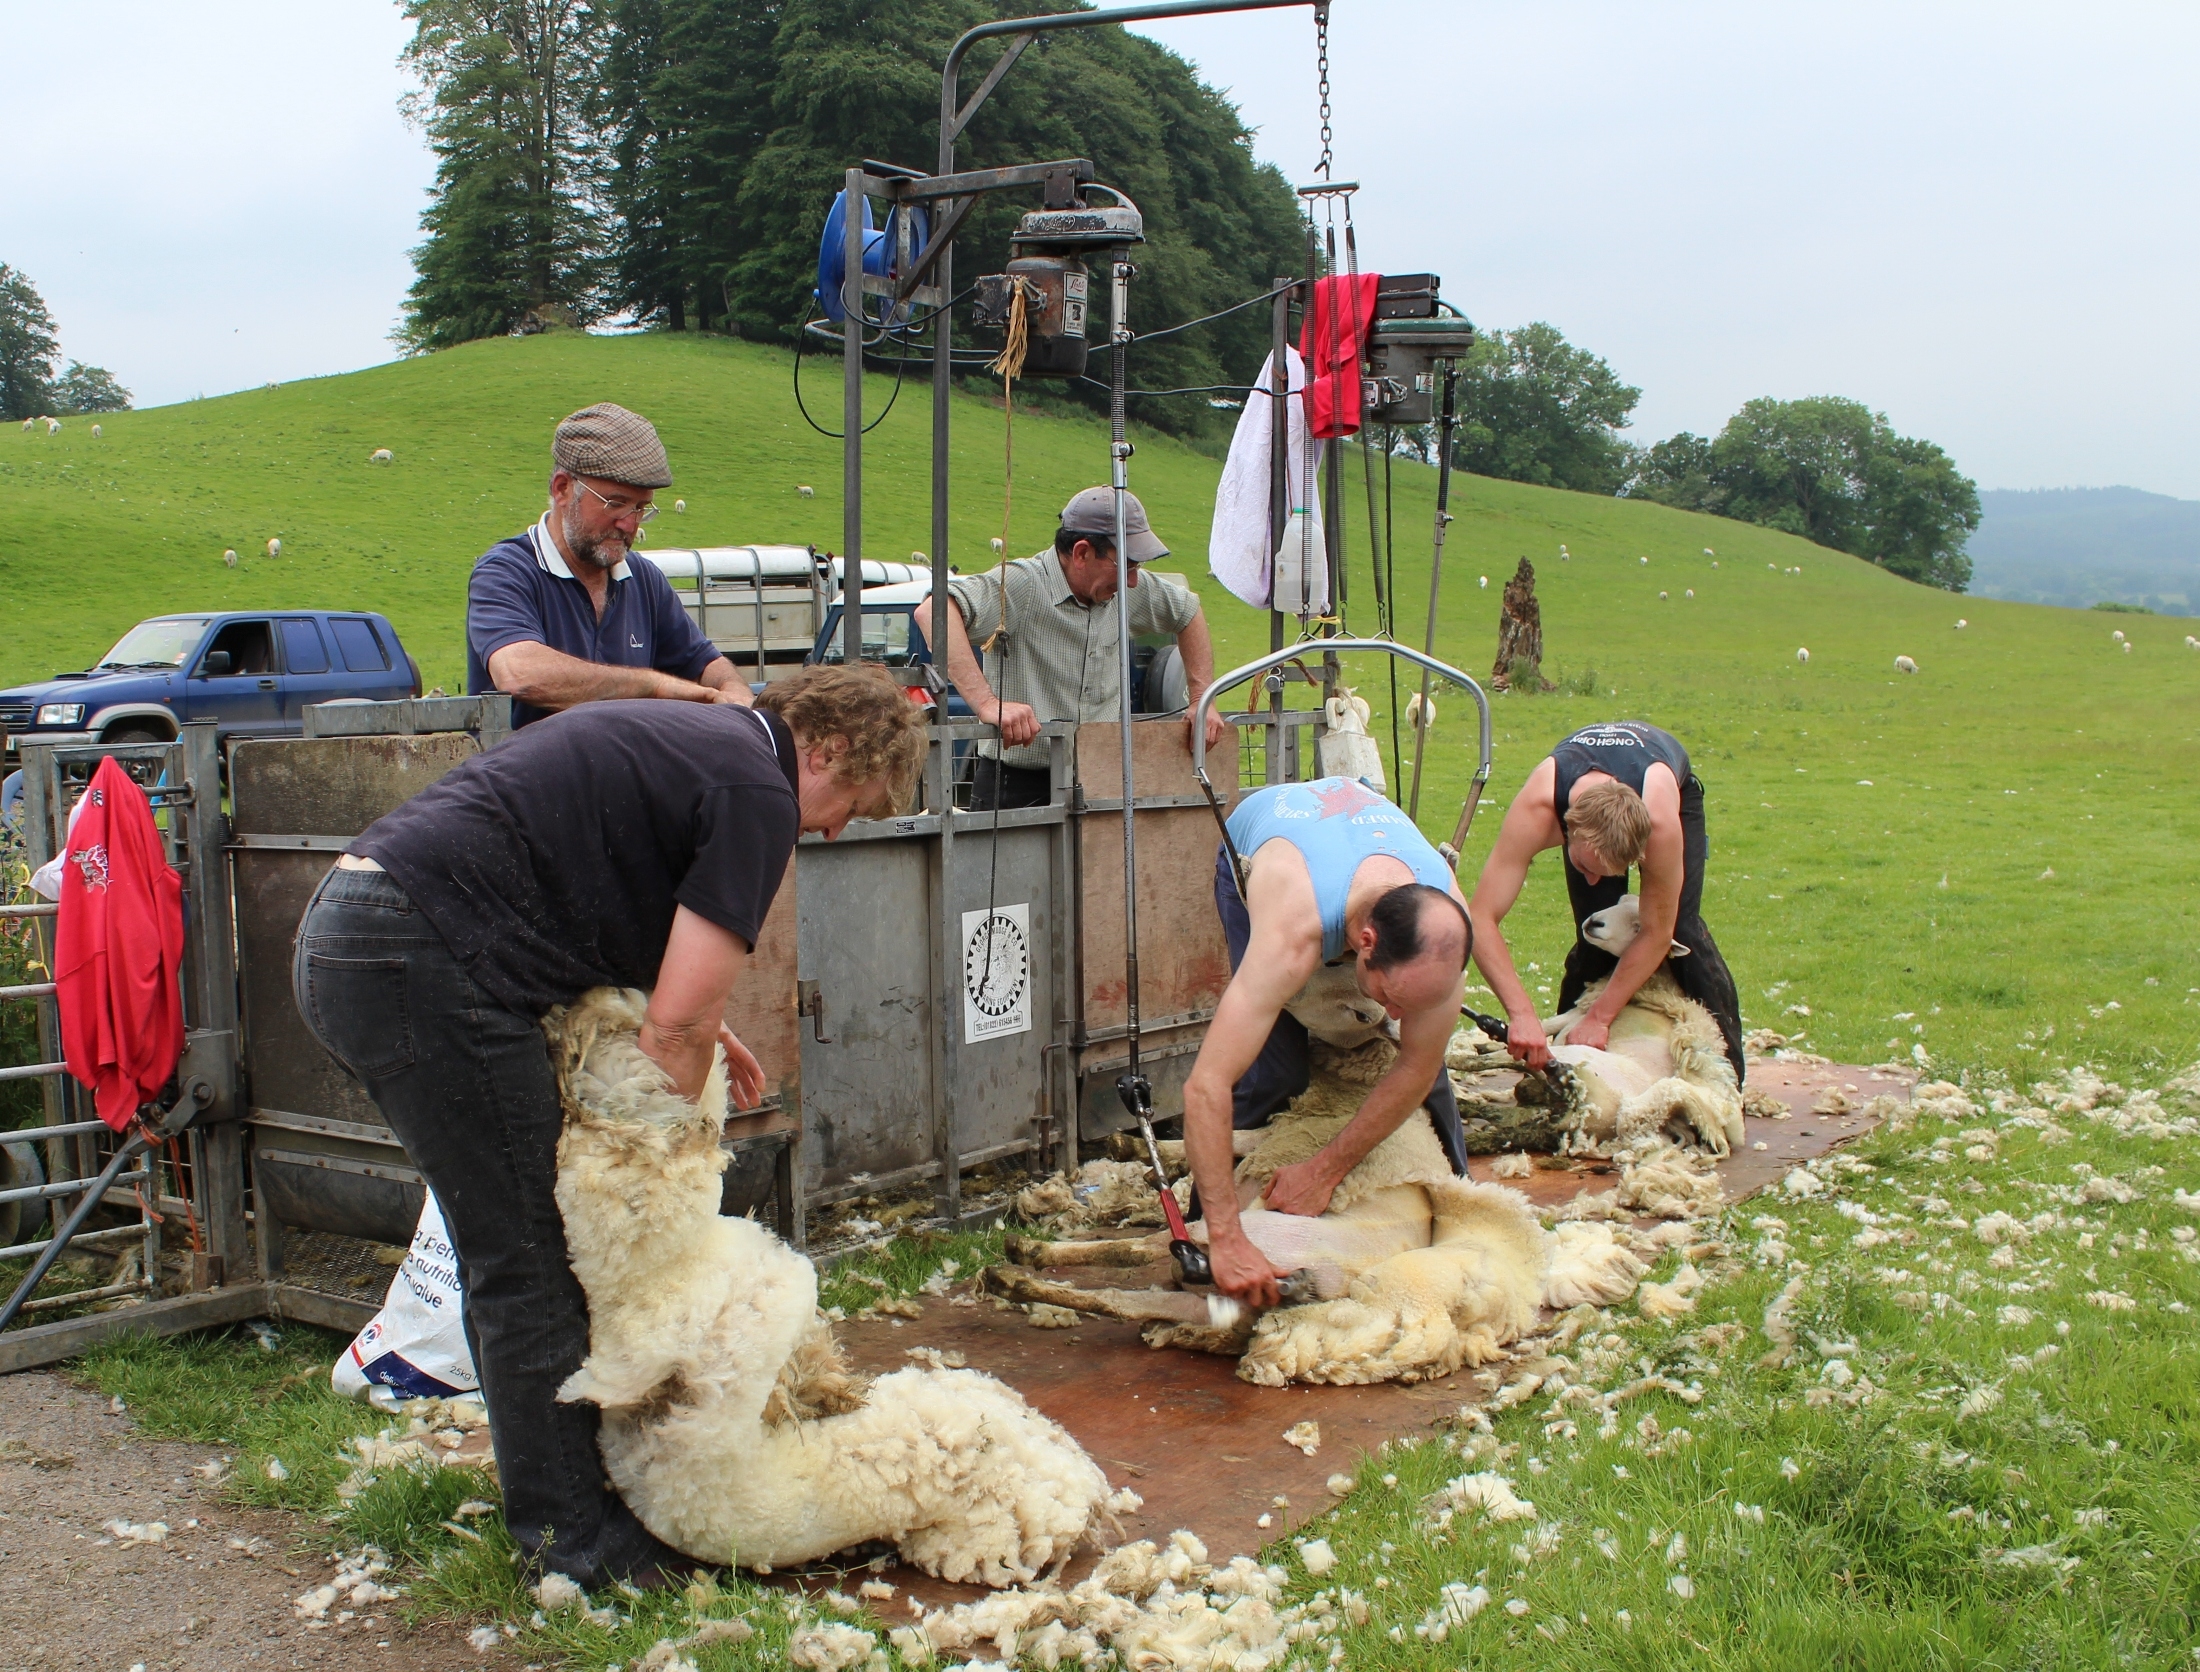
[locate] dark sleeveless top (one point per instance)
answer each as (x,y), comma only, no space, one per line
(1624,749)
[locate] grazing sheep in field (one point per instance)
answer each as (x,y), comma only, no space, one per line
(679,507)
(1663,596)
(731,1425)
(805,492)
(230,557)
(1961,624)
(2117,635)
(274,548)
(1564,556)
(381,455)
(2127,647)
(1803,655)
(53,426)
(1902,664)
(2191,643)
(1420,711)
(27,423)
(1485,583)
(97,431)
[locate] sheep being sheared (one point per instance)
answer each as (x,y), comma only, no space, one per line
(730,1424)
(1664,1066)
(1413,1273)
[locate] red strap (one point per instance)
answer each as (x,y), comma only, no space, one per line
(1338,318)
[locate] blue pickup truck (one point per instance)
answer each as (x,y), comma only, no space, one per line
(253,672)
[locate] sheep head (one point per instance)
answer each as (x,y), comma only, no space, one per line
(1615,928)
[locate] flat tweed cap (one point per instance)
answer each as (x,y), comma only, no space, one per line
(609,441)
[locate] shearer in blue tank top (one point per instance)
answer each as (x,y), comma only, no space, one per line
(1348,918)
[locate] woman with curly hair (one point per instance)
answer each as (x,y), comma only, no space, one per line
(617,844)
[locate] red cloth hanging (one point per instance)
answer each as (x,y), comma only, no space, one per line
(1332,343)
(118,949)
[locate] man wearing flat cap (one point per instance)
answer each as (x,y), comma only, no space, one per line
(557,616)
(1047,623)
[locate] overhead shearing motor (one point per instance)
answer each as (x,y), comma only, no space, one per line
(1413,330)
(1049,270)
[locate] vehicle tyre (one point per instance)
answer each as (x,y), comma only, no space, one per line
(412,663)
(20,1221)
(1165,691)
(147,773)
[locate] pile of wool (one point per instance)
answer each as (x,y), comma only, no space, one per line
(1099,1195)
(1484,1493)
(356,1584)
(1657,1178)
(1144,1605)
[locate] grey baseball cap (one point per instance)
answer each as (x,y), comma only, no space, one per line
(1093,512)
(609,441)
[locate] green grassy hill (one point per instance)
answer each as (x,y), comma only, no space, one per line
(1880,841)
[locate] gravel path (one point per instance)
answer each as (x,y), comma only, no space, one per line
(73,1599)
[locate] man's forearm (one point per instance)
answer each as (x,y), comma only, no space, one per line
(1197,646)
(963,669)
(1208,1151)
(724,678)
(546,678)
(1494,959)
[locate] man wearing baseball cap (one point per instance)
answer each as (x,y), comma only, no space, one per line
(1047,623)
(557,616)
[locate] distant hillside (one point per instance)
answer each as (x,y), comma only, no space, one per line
(2079,546)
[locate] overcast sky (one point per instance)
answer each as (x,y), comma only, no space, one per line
(1983,219)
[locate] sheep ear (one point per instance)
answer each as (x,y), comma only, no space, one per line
(1679,951)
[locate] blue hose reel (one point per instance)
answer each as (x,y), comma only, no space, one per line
(886,251)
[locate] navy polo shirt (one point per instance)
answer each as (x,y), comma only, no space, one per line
(522,591)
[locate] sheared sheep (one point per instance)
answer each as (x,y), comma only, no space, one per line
(679,507)
(97,431)
(1961,624)
(730,1424)
(1414,1272)
(53,427)
(274,548)
(805,492)
(230,557)
(1902,664)
(1421,711)
(381,455)
(1803,655)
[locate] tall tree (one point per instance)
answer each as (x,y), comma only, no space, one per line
(28,347)
(512,225)
(1832,471)
(1534,408)
(685,104)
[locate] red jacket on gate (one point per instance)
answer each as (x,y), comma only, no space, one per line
(1338,319)
(118,949)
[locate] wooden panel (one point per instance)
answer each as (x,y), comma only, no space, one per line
(761,1008)
(1183,963)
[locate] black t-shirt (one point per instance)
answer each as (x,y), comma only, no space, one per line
(1621,749)
(554,862)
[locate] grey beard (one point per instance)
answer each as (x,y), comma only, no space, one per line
(587,549)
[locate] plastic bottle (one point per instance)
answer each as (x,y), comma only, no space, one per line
(1300,562)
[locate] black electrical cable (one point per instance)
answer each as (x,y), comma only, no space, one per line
(1268,295)
(900,366)
(1196,389)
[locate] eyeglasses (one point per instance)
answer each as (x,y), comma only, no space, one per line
(619,507)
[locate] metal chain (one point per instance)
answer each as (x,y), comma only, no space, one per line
(1321,50)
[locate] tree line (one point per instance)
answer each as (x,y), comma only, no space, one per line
(29,346)
(670,162)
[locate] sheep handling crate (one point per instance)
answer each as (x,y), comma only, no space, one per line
(935,996)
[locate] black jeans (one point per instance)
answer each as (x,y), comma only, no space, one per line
(994,785)
(467,1087)
(1282,1069)
(1703,974)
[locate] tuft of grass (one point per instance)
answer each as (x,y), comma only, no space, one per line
(904,1265)
(408,1513)
(264,1404)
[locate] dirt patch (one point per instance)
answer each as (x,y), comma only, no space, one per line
(76,1597)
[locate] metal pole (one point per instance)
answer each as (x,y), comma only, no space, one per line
(851,421)
(1449,421)
(1119,452)
(58,1243)
(1279,500)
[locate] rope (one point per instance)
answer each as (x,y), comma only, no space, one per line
(1008,366)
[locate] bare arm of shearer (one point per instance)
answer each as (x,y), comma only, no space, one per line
(1526,832)
(687,1010)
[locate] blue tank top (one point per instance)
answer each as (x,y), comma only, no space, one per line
(1335,823)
